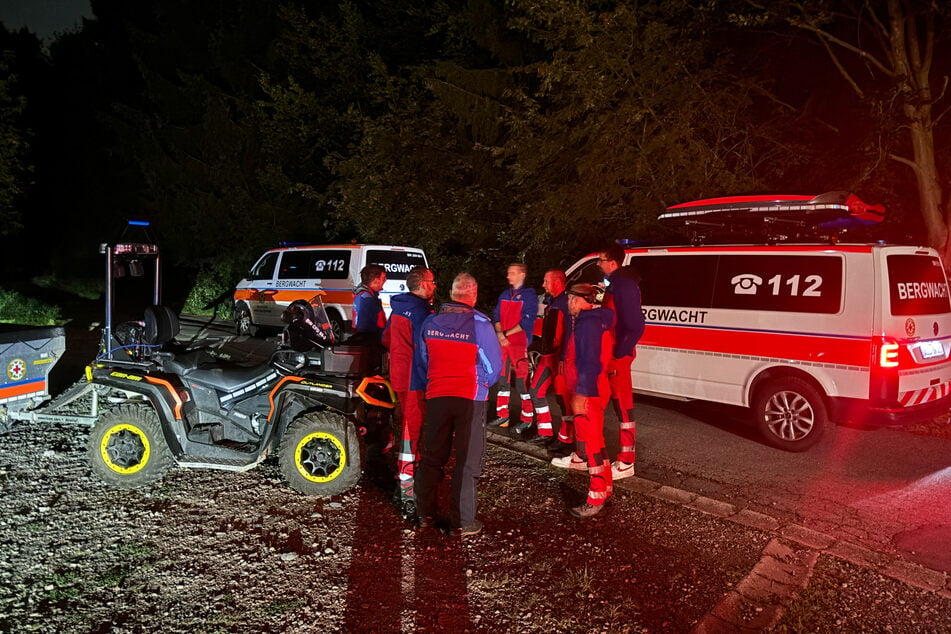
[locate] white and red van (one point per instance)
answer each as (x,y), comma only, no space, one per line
(286,275)
(800,333)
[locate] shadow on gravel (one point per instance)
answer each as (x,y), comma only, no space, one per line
(398,573)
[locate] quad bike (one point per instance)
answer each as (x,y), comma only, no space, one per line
(153,402)
(314,404)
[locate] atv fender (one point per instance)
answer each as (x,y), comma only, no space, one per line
(158,391)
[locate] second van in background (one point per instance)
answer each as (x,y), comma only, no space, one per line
(286,275)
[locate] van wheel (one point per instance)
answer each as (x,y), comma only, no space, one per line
(243,326)
(126,447)
(321,454)
(790,413)
(336,324)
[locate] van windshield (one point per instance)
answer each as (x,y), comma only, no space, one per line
(916,285)
(397,263)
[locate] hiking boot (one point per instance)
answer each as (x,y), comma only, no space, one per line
(539,441)
(407,509)
(499,422)
(621,470)
(585,511)
(468,531)
(560,449)
(573,461)
(523,431)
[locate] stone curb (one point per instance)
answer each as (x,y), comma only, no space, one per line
(758,601)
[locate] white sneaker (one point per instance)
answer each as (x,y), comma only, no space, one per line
(621,470)
(574,461)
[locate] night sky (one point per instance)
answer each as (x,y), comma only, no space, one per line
(44,17)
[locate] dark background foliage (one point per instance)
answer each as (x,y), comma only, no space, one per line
(484,131)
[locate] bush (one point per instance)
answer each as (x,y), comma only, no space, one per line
(210,287)
(18,309)
(87,288)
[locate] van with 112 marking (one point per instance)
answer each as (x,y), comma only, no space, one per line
(800,332)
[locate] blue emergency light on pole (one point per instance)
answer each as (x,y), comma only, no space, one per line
(127,255)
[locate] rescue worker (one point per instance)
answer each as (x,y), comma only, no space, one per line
(460,356)
(368,316)
(545,373)
(588,353)
(623,295)
(514,318)
(409,310)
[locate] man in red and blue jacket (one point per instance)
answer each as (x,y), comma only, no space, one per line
(369,320)
(459,355)
(514,318)
(623,295)
(587,355)
(408,311)
(545,374)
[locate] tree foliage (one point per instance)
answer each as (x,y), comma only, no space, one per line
(893,55)
(15,169)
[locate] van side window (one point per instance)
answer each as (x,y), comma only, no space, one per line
(788,283)
(676,280)
(315,263)
(916,285)
(587,273)
(264,269)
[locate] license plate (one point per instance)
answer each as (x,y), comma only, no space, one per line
(931,349)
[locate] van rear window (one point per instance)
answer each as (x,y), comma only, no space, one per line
(916,285)
(315,263)
(397,263)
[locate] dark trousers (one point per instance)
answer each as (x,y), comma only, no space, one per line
(451,421)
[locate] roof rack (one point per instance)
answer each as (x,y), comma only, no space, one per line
(775,218)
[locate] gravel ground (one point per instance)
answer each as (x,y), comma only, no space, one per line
(210,551)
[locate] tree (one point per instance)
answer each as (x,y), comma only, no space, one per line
(893,55)
(628,109)
(14,168)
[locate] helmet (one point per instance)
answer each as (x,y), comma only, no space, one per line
(588,292)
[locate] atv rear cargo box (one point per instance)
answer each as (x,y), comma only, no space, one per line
(347,360)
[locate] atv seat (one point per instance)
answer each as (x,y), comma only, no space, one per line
(232,378)
(185,362)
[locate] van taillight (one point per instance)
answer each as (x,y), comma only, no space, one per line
(888,354)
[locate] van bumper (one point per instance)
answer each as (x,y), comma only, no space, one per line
(861,412)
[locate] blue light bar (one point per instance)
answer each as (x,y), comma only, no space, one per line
(139,223)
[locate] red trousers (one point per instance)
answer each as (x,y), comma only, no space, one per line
(589,428)
(622,395)
(514,360)
(545,376)
(412,409)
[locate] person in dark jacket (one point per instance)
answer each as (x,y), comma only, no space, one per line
(624,296)
(588,353)
(459,354)
(514,318)
(545,373)
(408,311)
(368,316)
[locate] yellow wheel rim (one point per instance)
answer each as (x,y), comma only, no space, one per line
(125,448)
(320,457)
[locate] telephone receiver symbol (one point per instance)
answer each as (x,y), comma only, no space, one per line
(746,284)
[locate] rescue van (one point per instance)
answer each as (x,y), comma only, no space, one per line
(802,332)
(286,275)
